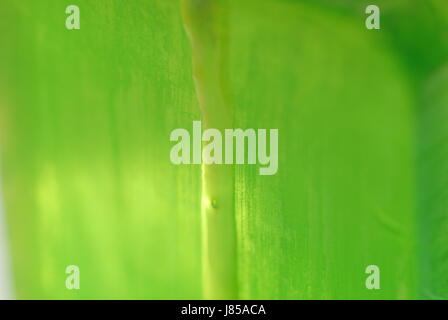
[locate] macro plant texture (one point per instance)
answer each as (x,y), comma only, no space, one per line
(86,176)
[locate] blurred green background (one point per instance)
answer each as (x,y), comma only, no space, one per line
(85,119)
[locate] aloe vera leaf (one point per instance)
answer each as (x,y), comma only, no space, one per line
(87,178)
(343,197)
(205,24)
(433,217)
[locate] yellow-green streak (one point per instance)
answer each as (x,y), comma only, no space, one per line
(205,25)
